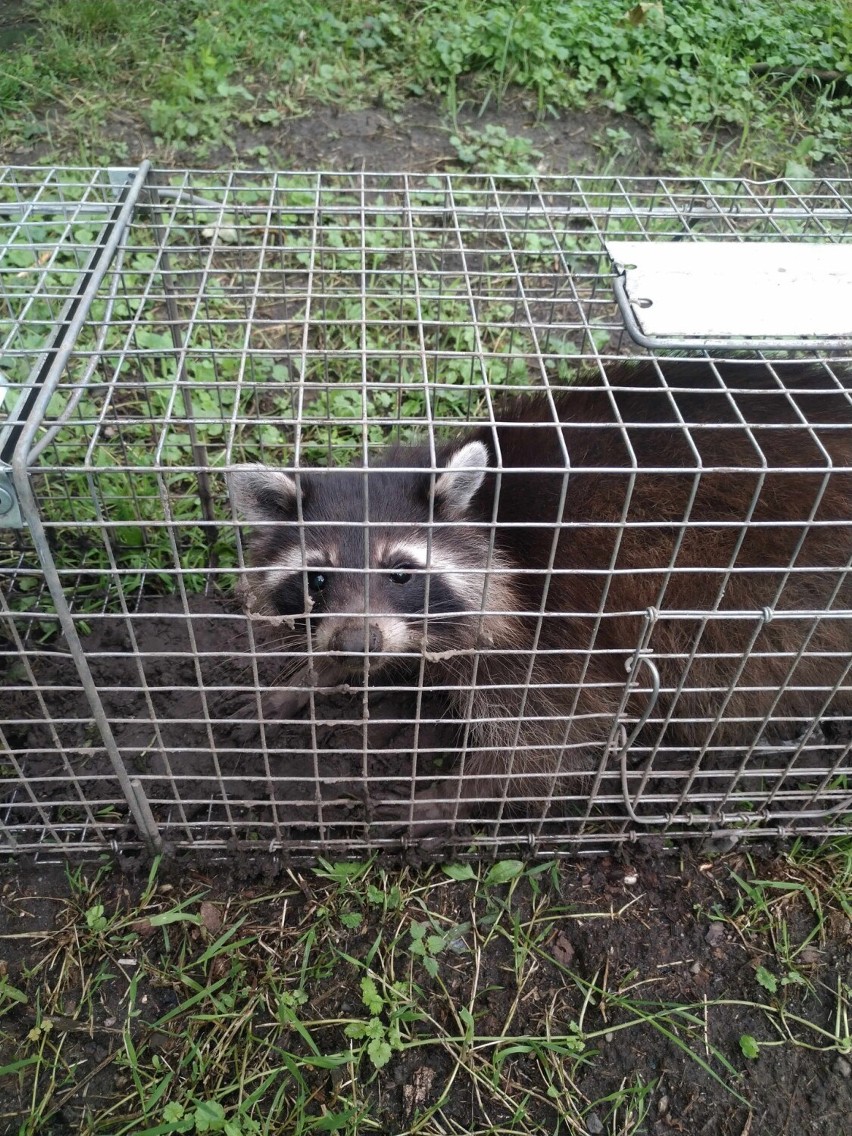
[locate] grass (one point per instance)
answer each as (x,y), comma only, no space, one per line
(787,924)
(161,1008)
(764,85)
(117,487)
(401,331)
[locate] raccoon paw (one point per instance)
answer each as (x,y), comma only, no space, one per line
(426,823)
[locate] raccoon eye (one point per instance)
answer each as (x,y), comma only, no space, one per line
(317,581)
(400,575)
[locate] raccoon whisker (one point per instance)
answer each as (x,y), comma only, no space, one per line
(288,676)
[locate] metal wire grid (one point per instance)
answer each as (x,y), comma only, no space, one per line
(306,319)
(58,231)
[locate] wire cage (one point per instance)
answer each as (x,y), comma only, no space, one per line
(658,665)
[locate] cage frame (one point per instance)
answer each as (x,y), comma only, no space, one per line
(127,194)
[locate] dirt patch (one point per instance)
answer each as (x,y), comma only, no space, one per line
(229,756)
(623,941)
(222,751)
(417,138)
(414,137)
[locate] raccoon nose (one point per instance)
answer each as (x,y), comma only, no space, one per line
(350,640)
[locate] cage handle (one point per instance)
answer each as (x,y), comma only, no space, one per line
(640,656)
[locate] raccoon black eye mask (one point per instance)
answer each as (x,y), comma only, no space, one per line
(519,571)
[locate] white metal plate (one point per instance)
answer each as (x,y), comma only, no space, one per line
(718,289)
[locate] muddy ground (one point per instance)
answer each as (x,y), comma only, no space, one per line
(414,137)
(198,706)
(161,676)
(664,942)
(223,751)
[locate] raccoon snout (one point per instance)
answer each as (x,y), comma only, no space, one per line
(351,639)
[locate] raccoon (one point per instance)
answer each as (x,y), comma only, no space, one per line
(701,509)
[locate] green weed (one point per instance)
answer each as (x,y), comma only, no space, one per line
(775,76)
(270,1011)
(493,149)
(140,409)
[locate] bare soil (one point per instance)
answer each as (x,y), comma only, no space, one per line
(413,137)
(663,944)
(658,942)
(185,705)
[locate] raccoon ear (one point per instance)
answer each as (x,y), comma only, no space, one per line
(261,494)
(458,483)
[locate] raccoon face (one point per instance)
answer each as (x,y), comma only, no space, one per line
(372,564)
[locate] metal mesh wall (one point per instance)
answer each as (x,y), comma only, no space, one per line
(310,321)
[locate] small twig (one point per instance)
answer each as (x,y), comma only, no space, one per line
(789,72)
